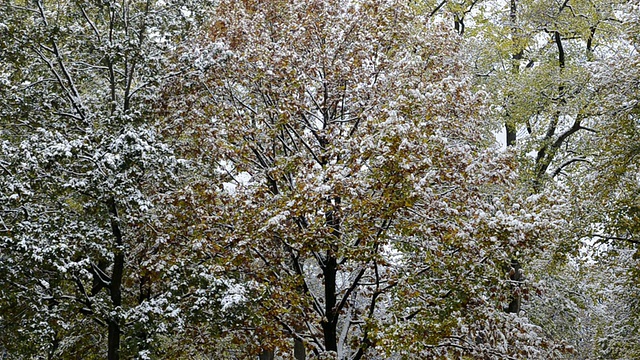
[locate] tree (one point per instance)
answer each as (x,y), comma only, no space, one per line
(83,169)
(612,179)
(353,188)
(553,78)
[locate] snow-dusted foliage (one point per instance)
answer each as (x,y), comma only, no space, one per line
(318,179)
(83,254)
(563,78)
(353,186)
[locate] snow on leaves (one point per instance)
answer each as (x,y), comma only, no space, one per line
(372,183)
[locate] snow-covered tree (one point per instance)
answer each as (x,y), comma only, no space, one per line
(82,170)
(319,179)
(353,187)
(561,75)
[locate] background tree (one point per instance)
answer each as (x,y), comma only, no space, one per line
(548,64)
(84,257)
(613,179)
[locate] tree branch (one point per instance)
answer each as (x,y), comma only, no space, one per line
(351,288)
(608,238)
(437,8)
(567,163)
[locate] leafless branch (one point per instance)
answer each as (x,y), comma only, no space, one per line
(567,163)
(437,8)
(619,238)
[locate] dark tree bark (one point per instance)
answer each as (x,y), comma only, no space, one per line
(515,275)
(511,134)
(330,322)
(299,352)
(115,287)
(267,355)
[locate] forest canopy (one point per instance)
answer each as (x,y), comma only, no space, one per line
(306,179)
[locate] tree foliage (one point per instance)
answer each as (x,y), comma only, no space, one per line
(353,183)
(318,179)
(83,168)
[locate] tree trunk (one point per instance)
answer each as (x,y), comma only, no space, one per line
(114,338)
(266,355)
(142,334)
(515,275)
(299,353)
(516,57)
(514,270)
(329,324)
(511,134)
(115,287)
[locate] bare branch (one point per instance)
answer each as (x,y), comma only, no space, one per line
(307,146)
(93,26)
(437,8)
(608,238)
(351,288)
(567,163)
